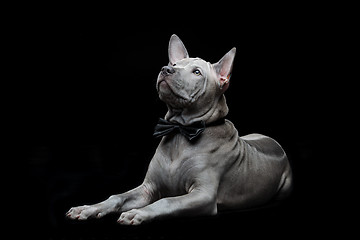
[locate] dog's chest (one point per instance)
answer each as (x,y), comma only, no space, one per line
(174,168)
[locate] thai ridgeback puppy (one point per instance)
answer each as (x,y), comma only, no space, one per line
(201,164)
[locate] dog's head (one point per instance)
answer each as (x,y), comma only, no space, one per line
(193,88)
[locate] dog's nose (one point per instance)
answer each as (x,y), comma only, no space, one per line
(166,70)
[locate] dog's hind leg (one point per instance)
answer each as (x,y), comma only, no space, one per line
(286,184)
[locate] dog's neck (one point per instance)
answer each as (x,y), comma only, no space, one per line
(215,110)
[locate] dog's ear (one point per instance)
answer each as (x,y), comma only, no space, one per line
(223,69)
(177,50)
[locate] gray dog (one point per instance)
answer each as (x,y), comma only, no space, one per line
(201,164)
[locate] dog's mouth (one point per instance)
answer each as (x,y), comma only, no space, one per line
(166,91)
(162,85)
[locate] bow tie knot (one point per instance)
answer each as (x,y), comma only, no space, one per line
(192,131)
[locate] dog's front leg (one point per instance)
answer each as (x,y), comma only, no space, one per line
(197,202)
(136,198)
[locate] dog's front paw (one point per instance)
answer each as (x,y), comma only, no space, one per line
(133,217)
(83,212)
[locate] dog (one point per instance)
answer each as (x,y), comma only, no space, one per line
(201,165)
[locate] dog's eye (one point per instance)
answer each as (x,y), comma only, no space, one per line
(197,72)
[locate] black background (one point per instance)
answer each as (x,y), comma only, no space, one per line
(87,106)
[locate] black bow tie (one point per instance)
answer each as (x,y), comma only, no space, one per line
(190,132)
